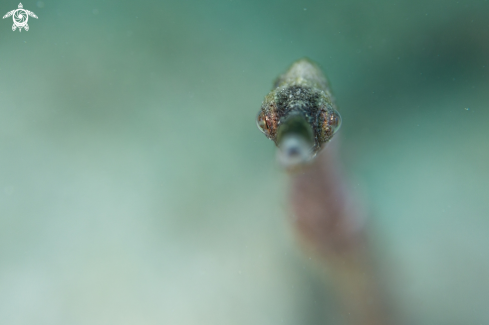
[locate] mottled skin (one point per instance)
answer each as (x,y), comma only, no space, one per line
(300,103)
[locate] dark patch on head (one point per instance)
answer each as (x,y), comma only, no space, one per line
(305,101)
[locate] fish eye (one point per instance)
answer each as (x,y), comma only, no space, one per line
(334,121)
(331,123)
(261,122)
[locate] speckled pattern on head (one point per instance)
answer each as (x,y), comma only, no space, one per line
(302,92)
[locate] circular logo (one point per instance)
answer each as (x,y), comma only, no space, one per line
(20,17)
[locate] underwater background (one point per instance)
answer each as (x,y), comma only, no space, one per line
(135,187)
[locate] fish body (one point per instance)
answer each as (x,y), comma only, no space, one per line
(300,108)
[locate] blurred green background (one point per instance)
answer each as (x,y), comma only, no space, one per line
(135,187)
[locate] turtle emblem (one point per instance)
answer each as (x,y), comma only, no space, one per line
(20,17)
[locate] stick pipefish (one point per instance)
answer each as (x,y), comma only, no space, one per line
(299,114)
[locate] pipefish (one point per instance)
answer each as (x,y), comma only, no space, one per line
(299,114)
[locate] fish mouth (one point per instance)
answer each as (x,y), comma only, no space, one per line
(295,141)
(294,151)
(295,123)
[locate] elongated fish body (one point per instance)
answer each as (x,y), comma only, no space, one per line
(299,114)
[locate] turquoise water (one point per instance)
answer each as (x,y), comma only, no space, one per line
(135,187)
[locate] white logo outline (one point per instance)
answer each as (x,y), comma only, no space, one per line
(20,17)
